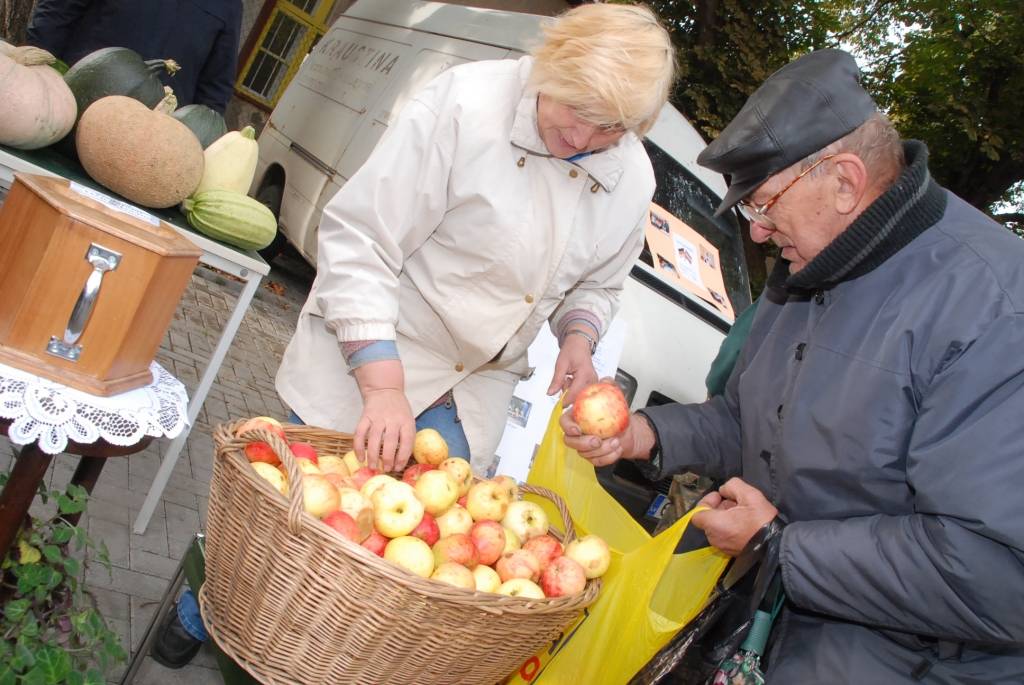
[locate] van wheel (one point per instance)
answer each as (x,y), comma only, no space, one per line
(270,195)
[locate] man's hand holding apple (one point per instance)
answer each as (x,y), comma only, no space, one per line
(736,512)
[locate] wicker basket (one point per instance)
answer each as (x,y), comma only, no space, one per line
(293,602)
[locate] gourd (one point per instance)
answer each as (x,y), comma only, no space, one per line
(37,108)
(145,155)
(114,71)
(231,217)
(230,162)
(206,123)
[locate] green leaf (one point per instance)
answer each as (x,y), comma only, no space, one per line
(66,505)
(94,677)
(23,656)
(76,678)
(16,609)
(52,554)
(53,666)
(77,492)
(32,576)
(62,533)
(72,566)
(30,629)
(7,674)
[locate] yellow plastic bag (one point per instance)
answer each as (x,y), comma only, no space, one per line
(647,595)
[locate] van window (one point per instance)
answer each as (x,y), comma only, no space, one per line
(682,194)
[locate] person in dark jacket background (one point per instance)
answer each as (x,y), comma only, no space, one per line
(201,36)
(874,414)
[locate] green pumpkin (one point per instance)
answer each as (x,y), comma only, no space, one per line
(206,123)
(114,71)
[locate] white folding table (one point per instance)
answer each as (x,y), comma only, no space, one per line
(245,264)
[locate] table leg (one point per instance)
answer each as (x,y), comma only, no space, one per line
(86,474)
(17,495)
(156,489)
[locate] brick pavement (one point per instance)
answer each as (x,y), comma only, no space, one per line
(142,565)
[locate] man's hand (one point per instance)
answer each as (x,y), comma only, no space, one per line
(385,433)
(574,368)
(737,512)
(635,442)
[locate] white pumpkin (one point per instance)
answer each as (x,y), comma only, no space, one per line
(37,108)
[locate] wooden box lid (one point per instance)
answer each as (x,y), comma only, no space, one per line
(90,284)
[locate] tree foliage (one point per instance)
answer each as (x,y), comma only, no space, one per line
(949,72)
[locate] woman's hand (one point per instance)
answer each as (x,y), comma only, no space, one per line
(574,368)
(635,442)
(737,511)
(385,433)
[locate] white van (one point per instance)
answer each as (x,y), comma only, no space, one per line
(377,55)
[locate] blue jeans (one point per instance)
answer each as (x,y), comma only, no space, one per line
(443,418)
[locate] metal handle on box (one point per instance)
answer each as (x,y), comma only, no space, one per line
(102,260)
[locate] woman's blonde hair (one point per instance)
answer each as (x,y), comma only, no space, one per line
(614,64)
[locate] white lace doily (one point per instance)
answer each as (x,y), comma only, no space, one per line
(51,414)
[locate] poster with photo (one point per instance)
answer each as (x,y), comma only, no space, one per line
(686,259)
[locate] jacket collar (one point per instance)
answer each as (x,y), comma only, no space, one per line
(605,167)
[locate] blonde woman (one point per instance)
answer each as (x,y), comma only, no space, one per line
(507,195)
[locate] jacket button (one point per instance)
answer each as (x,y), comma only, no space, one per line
(459,367)
(819,297)
(767,456)
(521,162)
(573,173)
(800,351)
(529,299)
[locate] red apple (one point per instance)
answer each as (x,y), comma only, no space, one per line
(600,409)
(489,539)
(267,423)
(376,543)
(413,473)
(362,475)
(458,548)
(427,530)
(518,564)
(545,547)
(462,501)
(562,577)
(344,524)
(261,452)
(303,450)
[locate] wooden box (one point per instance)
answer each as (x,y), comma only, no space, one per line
(89,286)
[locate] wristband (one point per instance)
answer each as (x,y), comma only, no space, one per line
(590,338)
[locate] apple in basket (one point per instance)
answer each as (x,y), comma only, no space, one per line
(429,447)
(319,497)
(454,574)
(487,579)
(487,500)
(518,564)
(339,481)
(376,543)
(305,467)
(267,423)
(512,541)
(458,548)
(521,587)
(361,475)
(437,490)
(413,473)
(526,519)
(344,524)
(412,554)
(371,486)
(427,530)
(454,520)
(303,450)
(460,470)
(510,485)
(545,547)
(601,409)
(272,475)
(590,552)
(331,463)
(352,462)
(396,510)
(489,539)
(562,577)
(352,502)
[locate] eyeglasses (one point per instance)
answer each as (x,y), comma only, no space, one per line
(604,129)
(759,213)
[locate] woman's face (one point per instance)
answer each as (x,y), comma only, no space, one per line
(565,134)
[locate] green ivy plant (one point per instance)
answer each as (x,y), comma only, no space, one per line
(50,630)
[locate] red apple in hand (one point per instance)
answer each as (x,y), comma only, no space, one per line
(600,409)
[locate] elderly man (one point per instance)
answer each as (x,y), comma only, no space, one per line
(875,410)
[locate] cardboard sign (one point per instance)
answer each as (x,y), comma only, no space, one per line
(686,259)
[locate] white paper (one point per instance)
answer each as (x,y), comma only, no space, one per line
(531,406)
(686,260)
(115,204)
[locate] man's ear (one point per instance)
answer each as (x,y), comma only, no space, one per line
(852,179)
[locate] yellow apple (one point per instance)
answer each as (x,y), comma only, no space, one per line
(375,482)
(487,579)
(454,520)
(510,485)
(352,502)
(332,463)
(437,490)
(429,447)
(412,554)
(454,574)
(521,587)
(396,510)
(460,470)
(590,552)
(352,461)
(319,497)
(487,501)
(526,519)
(512,541)
(271,475)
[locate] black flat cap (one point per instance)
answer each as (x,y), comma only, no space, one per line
(807,104)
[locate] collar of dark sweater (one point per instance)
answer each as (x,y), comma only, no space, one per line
(912,204)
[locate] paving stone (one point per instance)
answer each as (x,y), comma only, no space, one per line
(115,536)
(111,604)
(139,586)
(153,564)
